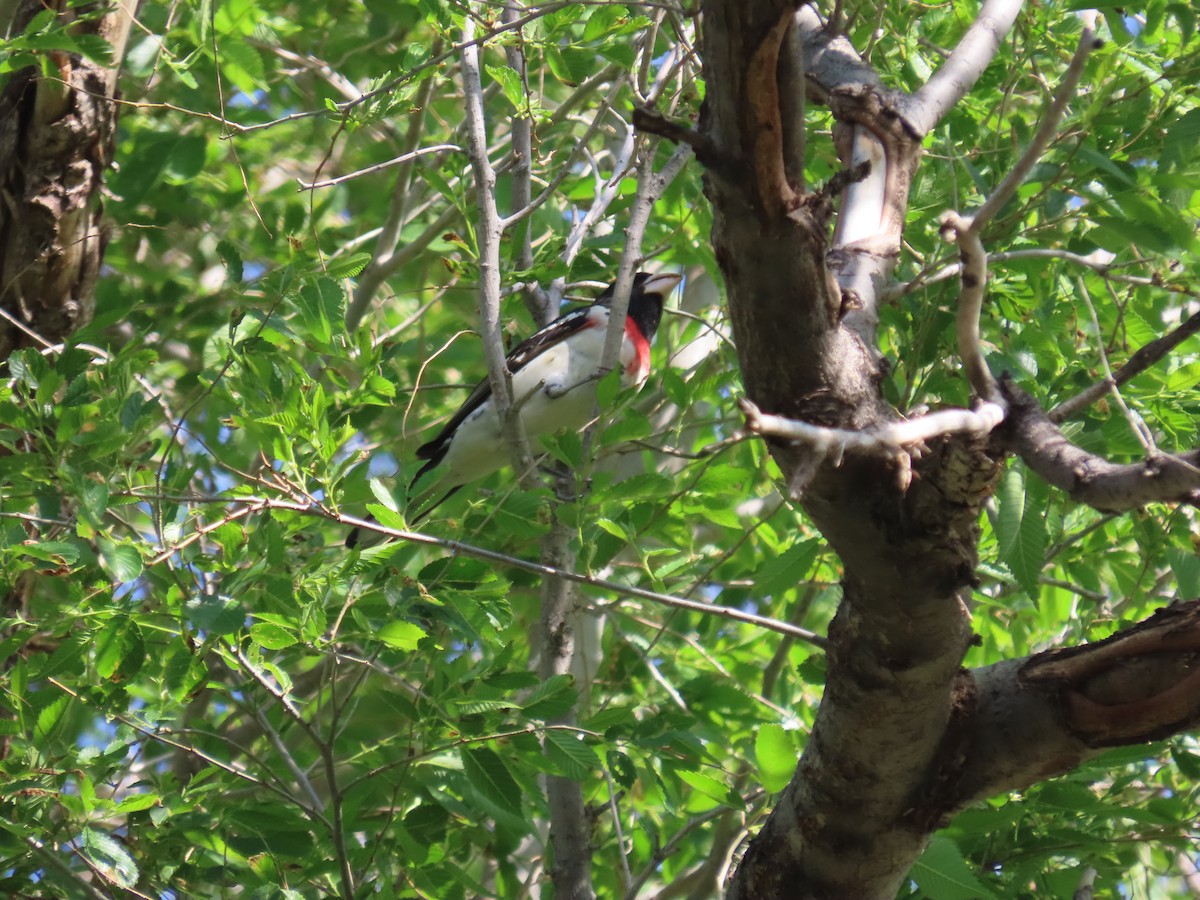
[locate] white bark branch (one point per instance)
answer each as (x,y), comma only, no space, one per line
(488,232)
(378,167)
(949,84)
(890,437)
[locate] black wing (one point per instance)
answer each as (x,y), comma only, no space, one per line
(525,352)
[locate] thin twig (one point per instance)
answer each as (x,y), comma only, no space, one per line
(378,167)
(1136,425)
(1047,128)
(1140,361)
(488,233)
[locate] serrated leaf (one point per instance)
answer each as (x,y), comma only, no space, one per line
(570,755)
(184,672)
(552,698)
(108,855)
(1010,507)
(120,649)
(621,767)
(321,305)
(243,65)
(93,502)
(50,716)
(943,874)
(347,266)
(401,634)
(613,528)
(775,753)
(1186,567)
(383,495)
(490,776)
(122,561)
(216,615)
(138,802)
(706,785)
(232,259)
(1027,555)
(510,83)
(786,570)
(518,516)
(1188,763)
(57,552)
(467,707)
(271,636)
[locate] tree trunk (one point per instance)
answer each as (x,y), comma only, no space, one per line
(904,737)
(56,141)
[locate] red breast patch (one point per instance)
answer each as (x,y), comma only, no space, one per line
(639,367)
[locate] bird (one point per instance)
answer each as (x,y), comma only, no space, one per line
(550,371)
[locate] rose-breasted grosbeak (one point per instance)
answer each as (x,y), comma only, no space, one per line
(550,373)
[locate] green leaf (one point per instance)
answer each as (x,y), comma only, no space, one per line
(775,753)
(271,636)
(110,857)
(242,64)
(621,767)
(401,635)
(321,307)
(1010,508)
(122,561)
(490,776)
(943,874)
(1186,567)
(232,260)
(216,615)
(49,717)
(709,787)
(554,697)
(138,802)
(787,570)
(1027,555)
(520,515)
(510,83)
(347,266)
(120,649)
(570,755)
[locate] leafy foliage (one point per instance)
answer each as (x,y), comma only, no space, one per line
(203,689)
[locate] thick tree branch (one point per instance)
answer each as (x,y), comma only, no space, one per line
(1059,708)
(974,53)
(1087,478)
(57,136)
(774,193)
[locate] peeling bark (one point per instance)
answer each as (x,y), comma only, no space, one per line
(56,141)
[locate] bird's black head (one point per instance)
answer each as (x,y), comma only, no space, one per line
(646,299)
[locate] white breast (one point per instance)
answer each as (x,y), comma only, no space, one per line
(555,391)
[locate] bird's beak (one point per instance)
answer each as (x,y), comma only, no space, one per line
(662,283)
